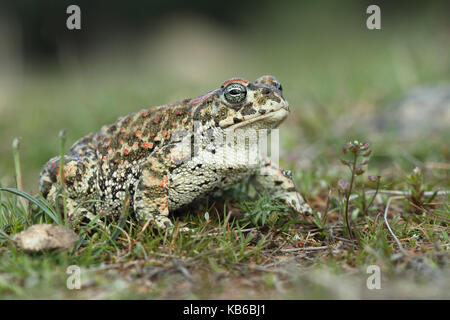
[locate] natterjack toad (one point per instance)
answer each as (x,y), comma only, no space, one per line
(168,156)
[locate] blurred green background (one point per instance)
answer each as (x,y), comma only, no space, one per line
(339,77)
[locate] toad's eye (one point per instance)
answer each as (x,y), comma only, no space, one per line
(278,86)
(235,93)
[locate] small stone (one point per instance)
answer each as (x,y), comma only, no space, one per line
(45,237)
(420,112)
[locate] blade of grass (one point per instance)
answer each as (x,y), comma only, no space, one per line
(123,218)
(30,198)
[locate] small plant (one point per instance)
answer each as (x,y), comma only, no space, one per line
(416,182)
(360,157)
(266,212)
(26,203)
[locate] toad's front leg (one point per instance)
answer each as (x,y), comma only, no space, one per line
(279,183)
(151,196)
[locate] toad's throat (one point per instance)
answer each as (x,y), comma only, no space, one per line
(268,120)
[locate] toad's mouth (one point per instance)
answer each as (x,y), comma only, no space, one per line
(269,120)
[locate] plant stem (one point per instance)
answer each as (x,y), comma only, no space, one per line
(62,137)
(15,146)
(19,185)
(327,207)
(347,200)
(374,196)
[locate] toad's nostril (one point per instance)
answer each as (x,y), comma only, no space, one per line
(265,91)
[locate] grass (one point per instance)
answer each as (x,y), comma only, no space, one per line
(256,246)
(337,81)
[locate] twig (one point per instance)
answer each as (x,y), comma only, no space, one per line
(183,270)
(438,165)
(114,266)
(428,212)
(174,235)
(262,268)
(387,223)
(401,193)
(304,249)
(127,236)
(226,222)
(346,240)
(278,248)
(214,234)
(143,229)
(335,227)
